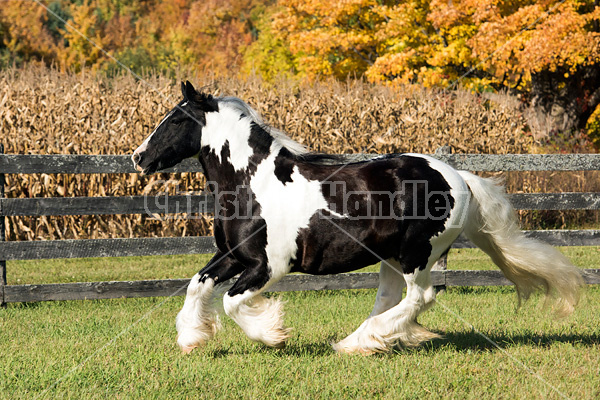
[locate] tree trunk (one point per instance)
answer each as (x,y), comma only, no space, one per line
(563,102)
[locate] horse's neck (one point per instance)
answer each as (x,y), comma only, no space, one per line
(230,170)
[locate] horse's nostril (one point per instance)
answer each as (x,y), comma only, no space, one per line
(136,158)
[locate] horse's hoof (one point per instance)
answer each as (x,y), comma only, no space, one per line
(356,351)
(187,349)
(367,352)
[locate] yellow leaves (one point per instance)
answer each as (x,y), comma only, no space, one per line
(346,38)
(398,67)
(83,36)
(428,41)
(330,13)
(543,36)
(23,22)
(593,127)
(455,53)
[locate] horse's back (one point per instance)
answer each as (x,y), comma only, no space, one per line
(403,206)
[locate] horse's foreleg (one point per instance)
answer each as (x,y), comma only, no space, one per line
(197,322)
(260,318)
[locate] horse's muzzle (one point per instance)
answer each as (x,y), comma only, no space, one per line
(137,158)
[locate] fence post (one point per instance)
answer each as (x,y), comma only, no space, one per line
(442,263)
(2,236)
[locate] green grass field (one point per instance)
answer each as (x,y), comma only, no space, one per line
(184,266)
(125,348)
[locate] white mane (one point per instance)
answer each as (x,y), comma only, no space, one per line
(279,136)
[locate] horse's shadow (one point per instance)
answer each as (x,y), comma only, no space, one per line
(318,349)
(456,341)
(474,341)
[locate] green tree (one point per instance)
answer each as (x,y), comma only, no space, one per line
(269,55)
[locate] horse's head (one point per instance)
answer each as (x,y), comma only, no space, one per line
(177,137)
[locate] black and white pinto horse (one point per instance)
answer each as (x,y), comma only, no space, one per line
(283,209)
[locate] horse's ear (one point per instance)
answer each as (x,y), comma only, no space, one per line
(188,91)
(203,101)
(183,90)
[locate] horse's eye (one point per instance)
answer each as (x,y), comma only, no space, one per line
(177,121)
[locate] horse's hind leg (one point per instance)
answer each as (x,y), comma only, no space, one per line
(391,285)
(197,322)
(260,318)
(381,332)
(389,294)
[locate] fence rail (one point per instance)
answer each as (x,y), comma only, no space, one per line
(176,287)
(118,205)
(89,248)
(89,164)
(197,204)
(118,164)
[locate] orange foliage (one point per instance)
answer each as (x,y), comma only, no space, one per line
(437,42)
(24,22)
(548,46)
(84,36)
(120,32)
(153,34)
(218,30)
(511,43)
(433,42)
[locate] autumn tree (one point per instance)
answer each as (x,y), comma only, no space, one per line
(24,32)
(550,50)
(84,38)
(546,49)
(330,38)
(222,30)
(269,55)
(153,34)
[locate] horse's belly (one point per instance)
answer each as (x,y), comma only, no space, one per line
(332,249)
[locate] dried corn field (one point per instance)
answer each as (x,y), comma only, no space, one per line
(43,111)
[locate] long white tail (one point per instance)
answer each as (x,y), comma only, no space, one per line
(492,226)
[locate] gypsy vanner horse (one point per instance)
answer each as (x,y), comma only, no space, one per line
(282,209)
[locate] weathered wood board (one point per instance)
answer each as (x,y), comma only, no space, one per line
(177,287)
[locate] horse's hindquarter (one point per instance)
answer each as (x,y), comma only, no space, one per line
(395,206)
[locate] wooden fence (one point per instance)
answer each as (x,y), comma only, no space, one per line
(83,164)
